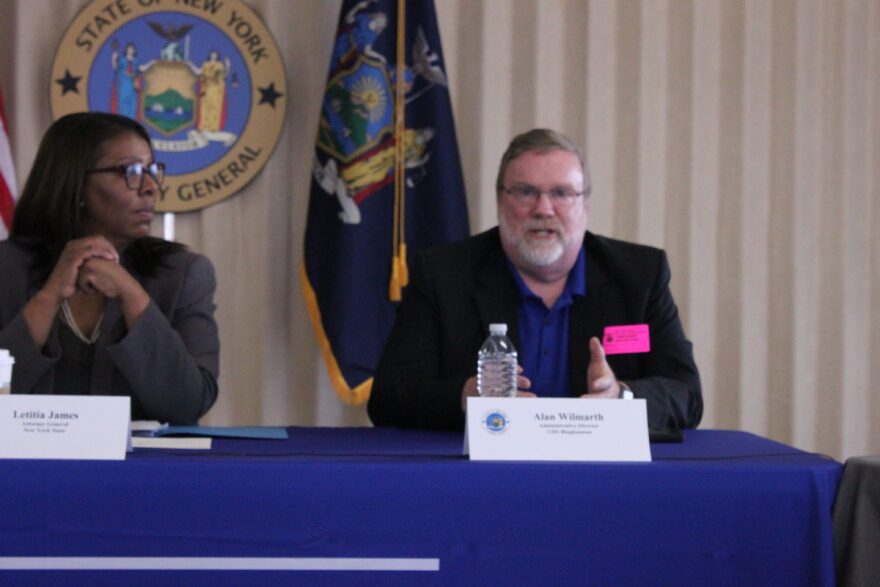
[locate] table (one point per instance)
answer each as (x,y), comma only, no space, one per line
(857,523)
(722,508)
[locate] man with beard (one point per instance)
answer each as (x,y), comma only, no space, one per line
(557,287)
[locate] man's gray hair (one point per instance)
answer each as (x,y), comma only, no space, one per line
(540,140)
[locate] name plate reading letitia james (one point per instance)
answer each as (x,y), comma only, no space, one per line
(64,427)
(557,429)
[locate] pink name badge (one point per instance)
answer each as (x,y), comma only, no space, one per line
(631,338)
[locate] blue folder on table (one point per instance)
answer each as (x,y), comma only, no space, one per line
(256,432)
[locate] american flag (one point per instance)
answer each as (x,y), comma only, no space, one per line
(7,177)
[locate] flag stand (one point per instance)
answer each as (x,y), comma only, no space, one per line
(168,226)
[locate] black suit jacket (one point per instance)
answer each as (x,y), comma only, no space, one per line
(457,290)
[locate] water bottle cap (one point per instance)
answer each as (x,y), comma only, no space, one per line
(499,329)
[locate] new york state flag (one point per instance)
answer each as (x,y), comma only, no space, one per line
(386,181)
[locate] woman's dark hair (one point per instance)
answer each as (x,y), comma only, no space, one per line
(49,212)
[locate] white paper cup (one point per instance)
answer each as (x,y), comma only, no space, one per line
(6,363)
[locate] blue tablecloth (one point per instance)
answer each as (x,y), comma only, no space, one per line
(721,508)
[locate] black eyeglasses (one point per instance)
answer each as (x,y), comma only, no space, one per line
(134,173)
(529,194)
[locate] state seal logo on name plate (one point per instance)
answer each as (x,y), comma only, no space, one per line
(204,77)
(496,421)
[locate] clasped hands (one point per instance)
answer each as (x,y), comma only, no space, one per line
(91,266)
(601,381)
(88,267)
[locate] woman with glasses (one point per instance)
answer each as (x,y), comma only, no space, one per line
(90,303)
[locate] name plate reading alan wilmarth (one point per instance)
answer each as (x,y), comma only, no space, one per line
(557,429)
(64,427)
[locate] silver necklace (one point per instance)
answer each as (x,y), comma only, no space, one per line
(67,318)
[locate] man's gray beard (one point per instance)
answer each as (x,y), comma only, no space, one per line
(536,255)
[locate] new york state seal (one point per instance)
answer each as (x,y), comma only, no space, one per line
(204,77)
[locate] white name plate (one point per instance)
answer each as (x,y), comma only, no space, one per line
(557,429)
(64,427)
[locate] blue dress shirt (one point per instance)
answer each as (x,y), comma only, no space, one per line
(543,332)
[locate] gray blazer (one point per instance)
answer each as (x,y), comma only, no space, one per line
(167,363)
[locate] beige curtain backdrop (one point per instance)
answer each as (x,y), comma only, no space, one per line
(743,136)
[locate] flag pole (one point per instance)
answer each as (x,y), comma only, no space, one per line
(399,273)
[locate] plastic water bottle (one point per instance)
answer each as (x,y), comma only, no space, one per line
(496,364)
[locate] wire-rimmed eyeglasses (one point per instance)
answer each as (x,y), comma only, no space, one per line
(529,194)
